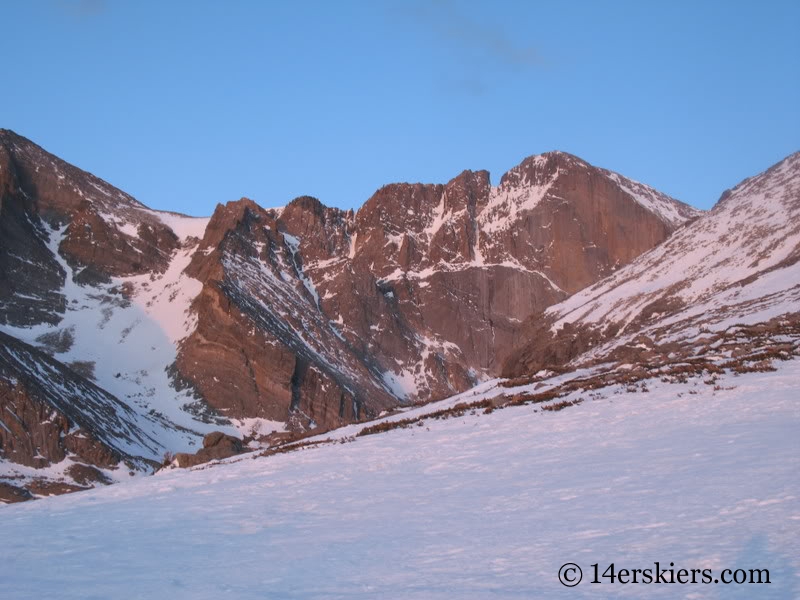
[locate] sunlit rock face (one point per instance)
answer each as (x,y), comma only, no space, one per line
(301,318)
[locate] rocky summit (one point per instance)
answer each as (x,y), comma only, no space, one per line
(733,271)
(128,332)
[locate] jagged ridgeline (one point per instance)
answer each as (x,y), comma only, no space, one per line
(295,319)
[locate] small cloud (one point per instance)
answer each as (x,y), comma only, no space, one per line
(481,48)
(488,39)
(82,8)
(471,36)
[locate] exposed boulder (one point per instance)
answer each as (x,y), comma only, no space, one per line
(216,446)
(11,493)
(86,475)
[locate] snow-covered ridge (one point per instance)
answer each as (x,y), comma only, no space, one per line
(521,191)
(508,203)
(737,263)
(665,207)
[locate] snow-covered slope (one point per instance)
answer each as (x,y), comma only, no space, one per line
(124,335)
(671,438)
(111,376)
(479,506)
(88,407)
(738,264)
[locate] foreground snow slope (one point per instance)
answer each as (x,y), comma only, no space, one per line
(480,506)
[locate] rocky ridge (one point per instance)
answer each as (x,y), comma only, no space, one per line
(735,268)
(306,317)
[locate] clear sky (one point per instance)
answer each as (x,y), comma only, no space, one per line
(185,104)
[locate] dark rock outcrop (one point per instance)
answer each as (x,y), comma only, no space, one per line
(86,475)
(108,233)
(216,446)
(47,411)
(11,493)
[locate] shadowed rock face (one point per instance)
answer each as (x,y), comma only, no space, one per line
(48,411)
(308,315)
(30,277)
(12,493)
(39,191)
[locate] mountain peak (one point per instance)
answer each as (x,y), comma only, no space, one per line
(306,316)
(783,173)
(734,266)
(58,188)
(11,136)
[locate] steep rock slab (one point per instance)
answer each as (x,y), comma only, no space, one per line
(326,316)
(737,265)
(48,411)
(263,347)
(307,314)
(454,269)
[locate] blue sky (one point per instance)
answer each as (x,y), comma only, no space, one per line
(185,104)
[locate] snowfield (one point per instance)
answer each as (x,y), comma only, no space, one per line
(129,345)
(480,506)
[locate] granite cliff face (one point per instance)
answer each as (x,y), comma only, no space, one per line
(729,276)
(417,296)
(305,317)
